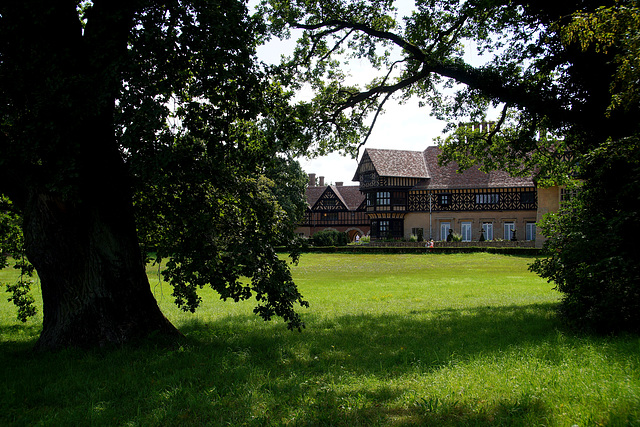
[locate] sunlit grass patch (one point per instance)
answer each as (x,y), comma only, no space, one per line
(390,340)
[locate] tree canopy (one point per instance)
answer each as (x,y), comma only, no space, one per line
(135,126)
(561,75)
(559,81)
(129,125)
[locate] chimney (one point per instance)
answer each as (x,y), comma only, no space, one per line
(321,181)
(312,180)
(339,184)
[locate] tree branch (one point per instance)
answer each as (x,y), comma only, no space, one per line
(109,23)
(491,83)
(316,39)
(361,96)
(414,50)
(373,122)
(496,128)
(455,27)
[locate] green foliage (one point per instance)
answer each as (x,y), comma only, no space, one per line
(330,238)
(562,77)
(592,252)
(22,299)
(612,29)
(219,188)
(12,245)
(10,233)
(552,90)
(204,135)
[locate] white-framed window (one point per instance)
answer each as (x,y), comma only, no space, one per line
(465,230)
(509,228)
(487,198)
(383,198)
(488,230)
(530,231)
(444,230)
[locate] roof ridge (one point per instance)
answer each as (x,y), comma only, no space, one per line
(392,149)
(337,193)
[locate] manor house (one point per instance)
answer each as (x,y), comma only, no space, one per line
(403,193)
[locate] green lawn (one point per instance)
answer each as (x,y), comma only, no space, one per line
(466,339)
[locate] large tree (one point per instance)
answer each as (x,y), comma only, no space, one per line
(134,126)
(561,80)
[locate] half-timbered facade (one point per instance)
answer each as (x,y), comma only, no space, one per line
(408,193)
(335,207)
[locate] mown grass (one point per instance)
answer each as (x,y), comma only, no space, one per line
(468,339)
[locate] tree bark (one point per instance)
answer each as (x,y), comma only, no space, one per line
(72,185)
(94,286)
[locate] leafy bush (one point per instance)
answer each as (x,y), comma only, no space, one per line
(330,238)
(592,248)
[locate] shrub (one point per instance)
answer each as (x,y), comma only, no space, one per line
(592,248)
(330,238)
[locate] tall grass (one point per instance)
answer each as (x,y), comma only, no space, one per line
(391,340)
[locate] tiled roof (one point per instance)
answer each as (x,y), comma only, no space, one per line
(398,163)
(313,194)
(448,177)
(349,195)
(417,164)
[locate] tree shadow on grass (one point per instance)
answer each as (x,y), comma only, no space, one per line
(19,337)
(238,370)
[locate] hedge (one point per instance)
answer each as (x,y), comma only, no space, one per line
(365,249)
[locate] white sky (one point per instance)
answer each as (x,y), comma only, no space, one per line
(400,127)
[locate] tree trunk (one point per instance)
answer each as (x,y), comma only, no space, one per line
(94,286)
(72,184)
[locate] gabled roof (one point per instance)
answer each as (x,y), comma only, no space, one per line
(448,177)
(397,163)
(424,164)
(313,194)
(350,196)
